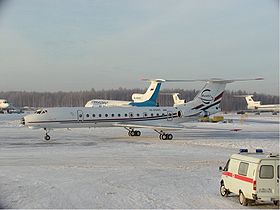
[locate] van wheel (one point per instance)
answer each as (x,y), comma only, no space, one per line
(242,200)
(276,203)
(223,190)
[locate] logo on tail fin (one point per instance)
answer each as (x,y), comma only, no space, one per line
(205,96)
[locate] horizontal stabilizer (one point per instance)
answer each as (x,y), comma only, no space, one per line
(242,96)
(215,80)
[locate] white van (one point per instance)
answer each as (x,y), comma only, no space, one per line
(252,176)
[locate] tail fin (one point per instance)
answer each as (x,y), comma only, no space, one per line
(251,104)
(177,100)
(209,97)
(150,97)
(208,100)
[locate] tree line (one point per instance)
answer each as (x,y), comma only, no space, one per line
(79,98)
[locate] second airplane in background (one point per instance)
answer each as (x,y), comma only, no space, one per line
(140,100)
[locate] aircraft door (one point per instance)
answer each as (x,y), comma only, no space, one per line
(80,116)
(169,116)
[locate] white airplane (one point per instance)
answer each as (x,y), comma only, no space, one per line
(160,119)
(257,107)
(147,99)
(4,104)
(176,99)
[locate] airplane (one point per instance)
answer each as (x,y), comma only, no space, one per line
(160,119)
(255,106)
(4,105)
(176,99)
(149,98)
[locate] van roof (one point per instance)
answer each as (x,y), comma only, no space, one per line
(255,157)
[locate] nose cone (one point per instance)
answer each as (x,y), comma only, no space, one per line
(5,105)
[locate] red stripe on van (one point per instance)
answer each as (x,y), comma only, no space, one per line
(243,178)
(226,173)
(237,176)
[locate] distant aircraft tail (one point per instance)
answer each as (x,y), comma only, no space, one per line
(149,98)
(177,100)
(251,104)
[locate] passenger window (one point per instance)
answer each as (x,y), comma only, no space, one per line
(138,115)
(93,115)
(125,115)
(266,172)
(87,115)
(106,115)
(130,115)
(119,115)
(100,115)
(157,114)
(243,168)
(145,114)
(113,115)
(152,114)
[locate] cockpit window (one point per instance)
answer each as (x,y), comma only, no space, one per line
(39,111)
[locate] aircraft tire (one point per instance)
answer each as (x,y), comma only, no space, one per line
(164,136)
(138,133)
(47,137)
(169,136)
(132,133)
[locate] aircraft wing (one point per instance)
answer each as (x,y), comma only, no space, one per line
(169,126)
(151,125)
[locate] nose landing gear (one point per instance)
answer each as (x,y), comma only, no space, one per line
(47,136)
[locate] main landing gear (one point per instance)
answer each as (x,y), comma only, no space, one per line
(47,136)
(132,132)
(164,136)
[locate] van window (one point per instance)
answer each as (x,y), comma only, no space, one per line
(266,172)
(243,168)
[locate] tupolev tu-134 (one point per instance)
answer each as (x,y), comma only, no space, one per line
(163,120)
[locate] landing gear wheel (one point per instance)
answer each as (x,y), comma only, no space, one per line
(163,136)
(223,190)
(242,200)
(169,136)
(132,133)
(276,203)
(47,137)
(138,133)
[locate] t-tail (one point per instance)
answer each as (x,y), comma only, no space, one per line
(208,100)
(150,97)
(251,104)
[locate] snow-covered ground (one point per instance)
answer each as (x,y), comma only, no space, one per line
(104,168)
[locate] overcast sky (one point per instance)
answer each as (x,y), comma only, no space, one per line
(50,45)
